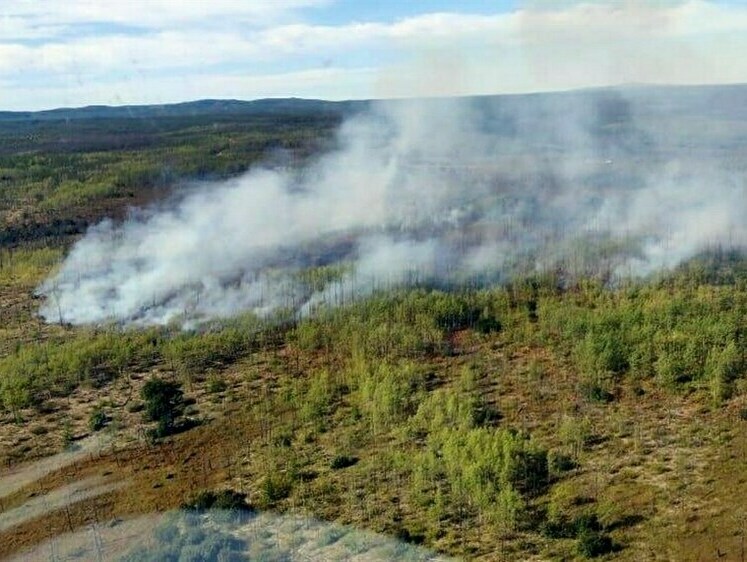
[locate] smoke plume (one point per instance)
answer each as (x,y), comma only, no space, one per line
(602,182)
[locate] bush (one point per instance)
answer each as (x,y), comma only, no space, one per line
(384,394)
(560,463)
(216,385)
(194,354)
(276,487)
(229,500)
(575,433)
(316,397)
(164,403)
(487,325)
(595,392)
(343,461)
(98,420)
(527,469)
(722,368)
(594,543)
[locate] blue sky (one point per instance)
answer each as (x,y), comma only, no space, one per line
(387,10)
(57,53)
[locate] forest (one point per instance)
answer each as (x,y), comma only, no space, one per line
(544,417)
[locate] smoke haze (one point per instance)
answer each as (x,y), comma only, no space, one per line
(604,182)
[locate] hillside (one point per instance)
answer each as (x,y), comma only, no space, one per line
(564,413)
(282,106)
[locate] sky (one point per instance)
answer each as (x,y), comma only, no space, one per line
(69,53)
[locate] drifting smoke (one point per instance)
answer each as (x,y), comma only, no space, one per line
(601,182)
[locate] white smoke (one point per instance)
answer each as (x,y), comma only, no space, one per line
(415,191)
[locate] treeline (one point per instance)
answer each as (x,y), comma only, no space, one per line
(68,185)
(95,357)
(681,336)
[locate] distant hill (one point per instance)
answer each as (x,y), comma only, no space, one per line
(285,106)
(713,101)
(633,118)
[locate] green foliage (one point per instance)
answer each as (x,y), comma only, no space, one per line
(52,367)
(316,397)
(483,468)
(15,393)
(164,404)
(723,367)
(575,433)
(460,407)
(383,393)
(560,463)
(27,265)
(228,500)
(370,372)
(195,354)
(396,324)
(216,385)
(316,279)
(689,337)
(98,419)
(603,350)
(85,163)
(591,540)
(510,508)
(717,266)
(595,392)
(67,434)
(594,543)
(342,461)
(275,487)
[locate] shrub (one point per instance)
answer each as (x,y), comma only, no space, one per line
(487,324)
(224,499)
(575,433)
(216,385)
(595,392)
(343,461)
(98,419)
(510,507)
(603,351)
(594,543)
(317,397)
(560,463)
(275,487)
(482,468)
(527,469)
(194,354)
(723,366)
(383,393)
(164,404)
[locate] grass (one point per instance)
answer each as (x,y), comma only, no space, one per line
(27,266)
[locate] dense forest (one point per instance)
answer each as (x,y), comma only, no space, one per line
(546,417)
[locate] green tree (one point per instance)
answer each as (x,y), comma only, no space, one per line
(164,403)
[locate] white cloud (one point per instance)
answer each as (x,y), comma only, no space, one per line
(150,13)
(533,49)
(322,82)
